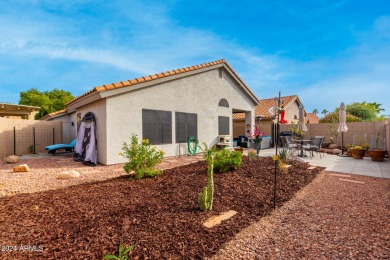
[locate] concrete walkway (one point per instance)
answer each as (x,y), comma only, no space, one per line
(348,165)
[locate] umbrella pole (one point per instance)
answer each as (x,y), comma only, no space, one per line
(342,143)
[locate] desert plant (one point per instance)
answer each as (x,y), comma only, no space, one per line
(333,132)
(281,166)
(122,253)
(206,197)
(226,160)
(142,158)
(252,154)
(357,147)
(283,155)
(377,140)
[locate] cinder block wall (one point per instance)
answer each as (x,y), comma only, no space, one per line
(359,133)
(18,135)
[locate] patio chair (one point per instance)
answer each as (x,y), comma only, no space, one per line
(287,143)
(314,146)
(52,149)
(322,142)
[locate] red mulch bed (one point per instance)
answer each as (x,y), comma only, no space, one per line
(160,216)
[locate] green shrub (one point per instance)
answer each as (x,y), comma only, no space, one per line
(226,160)
(142,158)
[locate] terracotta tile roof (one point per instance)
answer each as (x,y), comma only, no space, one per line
(265,104)
(312,118)
(136,81)
(53,114)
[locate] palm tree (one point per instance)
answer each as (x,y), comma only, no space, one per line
(315,111)
(376,107)
(324,112)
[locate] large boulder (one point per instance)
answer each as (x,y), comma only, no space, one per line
(12,159)
(336,151)
(21,168)
(68,174)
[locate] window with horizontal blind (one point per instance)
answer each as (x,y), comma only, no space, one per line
(186,126)
(223,125)
(157,126)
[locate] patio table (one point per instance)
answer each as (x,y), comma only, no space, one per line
(300,143)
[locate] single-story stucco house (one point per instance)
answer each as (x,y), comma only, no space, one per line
(165,108)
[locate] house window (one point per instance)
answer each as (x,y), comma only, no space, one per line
(157,126)
(223,103)
(223,125)
(186,126)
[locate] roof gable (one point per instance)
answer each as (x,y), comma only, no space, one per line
(263,109)
(155,78)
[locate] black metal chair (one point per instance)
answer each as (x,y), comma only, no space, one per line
(314,146)
(287,143)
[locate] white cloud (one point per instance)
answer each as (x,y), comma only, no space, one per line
(147,40)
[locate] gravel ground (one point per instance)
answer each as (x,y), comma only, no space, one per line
(328,219)
(44,172)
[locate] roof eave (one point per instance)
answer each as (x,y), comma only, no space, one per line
(92,97)
(118,91)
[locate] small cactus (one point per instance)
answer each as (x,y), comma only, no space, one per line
(206,196)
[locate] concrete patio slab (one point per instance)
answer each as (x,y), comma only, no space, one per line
(344,164)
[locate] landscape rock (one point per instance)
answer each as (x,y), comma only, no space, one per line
(21,168)
(68,174)
(12,159)
(332,146)
(336,151)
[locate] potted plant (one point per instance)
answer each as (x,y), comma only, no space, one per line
(358,152)
(296,133)
(366,147)
(348,147)
(377,154)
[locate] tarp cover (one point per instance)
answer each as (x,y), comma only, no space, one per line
(86,144)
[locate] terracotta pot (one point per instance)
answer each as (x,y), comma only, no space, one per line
(239,150)
(377,155)
(358,153)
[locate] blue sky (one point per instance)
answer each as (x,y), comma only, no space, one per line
(326,52)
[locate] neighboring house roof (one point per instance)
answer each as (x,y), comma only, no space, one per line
(312,118)
(17,110)
(266,104)
(104,90)
(54,114)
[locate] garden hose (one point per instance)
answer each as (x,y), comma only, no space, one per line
(192,145)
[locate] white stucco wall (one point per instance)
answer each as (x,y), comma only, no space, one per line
(199,93)
(291,111)
(66,128)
